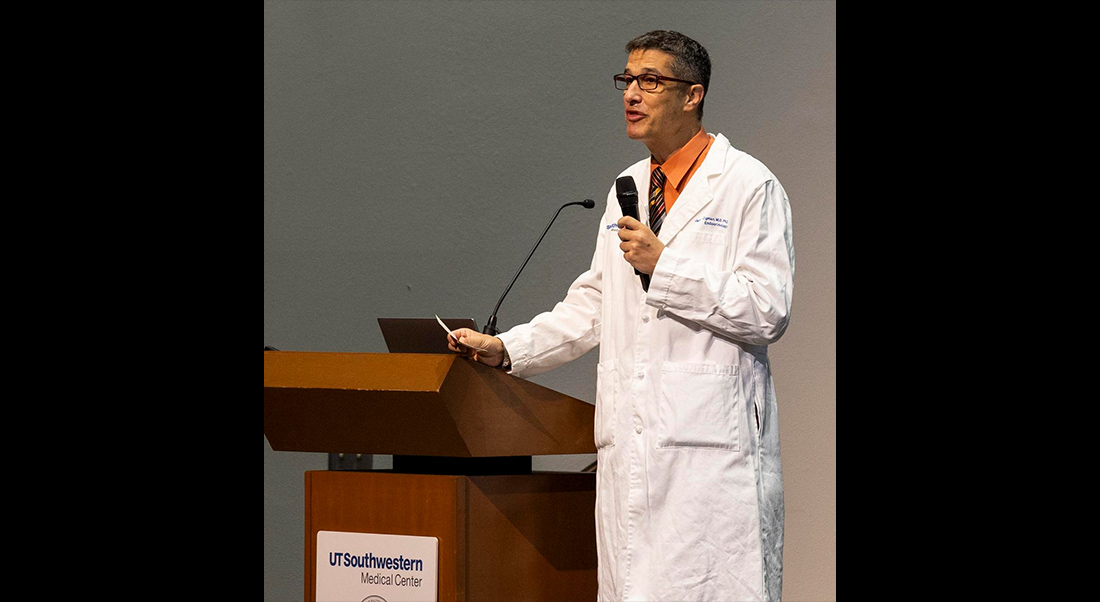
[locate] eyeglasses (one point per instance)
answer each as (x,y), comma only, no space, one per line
(646,81)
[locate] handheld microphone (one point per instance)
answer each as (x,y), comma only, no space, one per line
(627,192)
(491,325)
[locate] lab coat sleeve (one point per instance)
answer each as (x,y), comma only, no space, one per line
(751,302)
(566,332)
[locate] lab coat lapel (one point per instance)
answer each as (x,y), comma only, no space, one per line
(697,194)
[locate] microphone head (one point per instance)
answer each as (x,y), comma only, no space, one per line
(627,192)
(625,186)
(589,203)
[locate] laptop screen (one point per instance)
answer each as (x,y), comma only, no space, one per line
(420,335)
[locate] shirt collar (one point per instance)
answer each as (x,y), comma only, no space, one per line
(680,162)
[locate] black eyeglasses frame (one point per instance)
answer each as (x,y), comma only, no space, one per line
(627,79)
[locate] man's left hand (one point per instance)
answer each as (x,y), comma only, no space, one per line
(640,246)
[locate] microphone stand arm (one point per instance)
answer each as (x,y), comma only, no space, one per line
(491,326)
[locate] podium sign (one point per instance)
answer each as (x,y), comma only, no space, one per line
(370,566)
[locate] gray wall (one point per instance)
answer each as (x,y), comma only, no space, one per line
(414,151)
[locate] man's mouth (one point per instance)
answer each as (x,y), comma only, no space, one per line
(633,116)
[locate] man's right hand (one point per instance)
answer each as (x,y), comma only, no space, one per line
(482,348)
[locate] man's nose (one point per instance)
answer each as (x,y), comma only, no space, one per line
(633,93)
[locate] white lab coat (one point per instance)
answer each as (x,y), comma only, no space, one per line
(689,497)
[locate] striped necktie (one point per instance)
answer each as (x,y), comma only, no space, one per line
(656,200)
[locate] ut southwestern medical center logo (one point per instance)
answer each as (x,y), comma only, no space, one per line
(387,570)
(374,599)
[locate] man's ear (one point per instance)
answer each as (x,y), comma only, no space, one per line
(693,98)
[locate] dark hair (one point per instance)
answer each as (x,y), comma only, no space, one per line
(690,59)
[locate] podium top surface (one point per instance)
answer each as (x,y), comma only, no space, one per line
(361,371)
(415,404)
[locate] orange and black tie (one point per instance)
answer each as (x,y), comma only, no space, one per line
(656,200)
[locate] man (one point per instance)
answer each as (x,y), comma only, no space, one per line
(689,498)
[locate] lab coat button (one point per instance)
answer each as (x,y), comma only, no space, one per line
(645,318)
(638,429)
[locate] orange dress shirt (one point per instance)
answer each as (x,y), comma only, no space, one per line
(681,165)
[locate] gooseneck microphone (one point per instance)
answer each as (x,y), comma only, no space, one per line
(627,192)
(491,325)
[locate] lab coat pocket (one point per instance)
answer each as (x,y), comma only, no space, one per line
(605,404)
(698,406)
(708,247)
(708,238)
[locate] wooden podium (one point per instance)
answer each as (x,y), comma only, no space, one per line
(462,436)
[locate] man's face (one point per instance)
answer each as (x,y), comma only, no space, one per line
(656,114)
